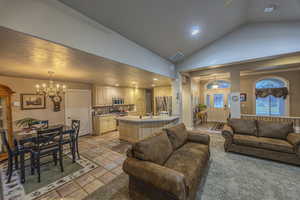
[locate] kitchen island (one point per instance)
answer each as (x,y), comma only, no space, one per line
(134,128)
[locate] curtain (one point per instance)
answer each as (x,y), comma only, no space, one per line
(276,92)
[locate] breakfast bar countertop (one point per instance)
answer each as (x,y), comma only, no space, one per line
(137,119)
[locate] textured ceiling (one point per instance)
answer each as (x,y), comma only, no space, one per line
(164,26)
(26,56)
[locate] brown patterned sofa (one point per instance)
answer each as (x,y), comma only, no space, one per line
(168,166)
(270,140)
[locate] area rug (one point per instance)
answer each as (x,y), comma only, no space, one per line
(230,177)
(51,178)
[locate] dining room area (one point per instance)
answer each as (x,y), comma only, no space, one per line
(43,165)
(52,157)
(39,145)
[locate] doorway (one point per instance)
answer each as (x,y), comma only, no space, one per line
(78,106)
(217,100)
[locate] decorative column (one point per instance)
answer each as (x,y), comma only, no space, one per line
(177,96)
(235,106)
(187,103)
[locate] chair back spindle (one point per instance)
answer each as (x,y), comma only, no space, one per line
(76,127)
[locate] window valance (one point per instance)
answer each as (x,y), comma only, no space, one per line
(276,92)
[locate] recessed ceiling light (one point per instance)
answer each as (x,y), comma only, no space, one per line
(117,85)
(195,30)
(155,79)
(270,8)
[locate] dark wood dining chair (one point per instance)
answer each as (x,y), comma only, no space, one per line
(76,127)
(13,155)
(46,144)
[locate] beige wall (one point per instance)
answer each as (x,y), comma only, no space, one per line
(140,101)
(22,85)
(247,85)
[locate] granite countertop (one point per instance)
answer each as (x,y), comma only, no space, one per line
(147,118)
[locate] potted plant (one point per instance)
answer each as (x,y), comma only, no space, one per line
(202,107)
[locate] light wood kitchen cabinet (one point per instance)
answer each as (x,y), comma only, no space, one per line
(104,124)
(102,95)
(99,96)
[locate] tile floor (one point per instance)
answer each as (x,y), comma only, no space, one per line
(108,152)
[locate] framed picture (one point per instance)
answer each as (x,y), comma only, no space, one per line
(33,101)
(243,97)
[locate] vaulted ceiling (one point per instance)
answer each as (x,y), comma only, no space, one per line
(164,26)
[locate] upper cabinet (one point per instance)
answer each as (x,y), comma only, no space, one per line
(103,95)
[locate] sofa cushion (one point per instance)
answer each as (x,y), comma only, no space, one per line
(177,135)
(264,143)
(274,129)
(244,127)
(156,149)
(190,160)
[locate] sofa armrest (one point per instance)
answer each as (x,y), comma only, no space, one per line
(227,133)
(294,139)
(194,136)
(160,177)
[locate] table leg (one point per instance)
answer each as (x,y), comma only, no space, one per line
(22,158)
(73,150)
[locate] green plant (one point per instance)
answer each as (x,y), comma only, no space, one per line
(202,107)
(25,122)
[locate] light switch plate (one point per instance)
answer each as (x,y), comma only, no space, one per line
(16,103)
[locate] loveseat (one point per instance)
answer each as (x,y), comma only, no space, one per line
(167,166)
(270,140)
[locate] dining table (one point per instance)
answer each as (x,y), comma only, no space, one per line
(24,137)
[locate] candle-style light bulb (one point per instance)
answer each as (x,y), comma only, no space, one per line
(44,85)
(64,88)
(37,86)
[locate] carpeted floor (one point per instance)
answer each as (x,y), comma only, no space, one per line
(230,177)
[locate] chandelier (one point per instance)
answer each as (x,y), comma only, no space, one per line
(52,89)
(215,84)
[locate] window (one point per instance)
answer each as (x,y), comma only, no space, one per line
(270,105)
(270,83)
(221,84)
(208,100)
(218,100)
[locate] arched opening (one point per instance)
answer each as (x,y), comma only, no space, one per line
(271,97)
